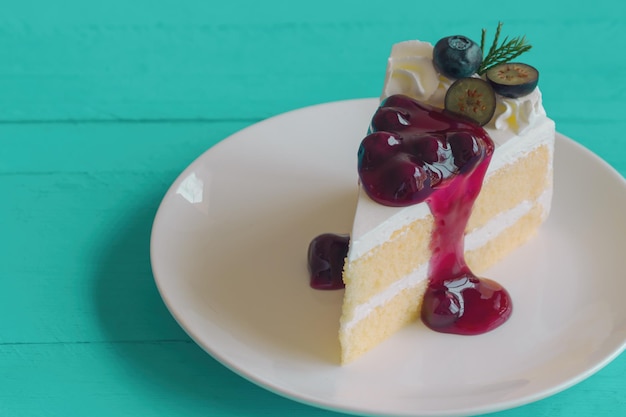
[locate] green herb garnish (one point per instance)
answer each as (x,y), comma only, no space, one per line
(505,52)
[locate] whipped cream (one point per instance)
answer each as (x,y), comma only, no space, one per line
(410,71)
(517,114)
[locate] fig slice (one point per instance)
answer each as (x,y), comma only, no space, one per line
(513,79)
(473,98)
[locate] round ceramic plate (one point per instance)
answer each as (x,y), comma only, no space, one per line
(229,247)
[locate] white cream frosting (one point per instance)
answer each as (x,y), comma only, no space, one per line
(517,114)
(410,71)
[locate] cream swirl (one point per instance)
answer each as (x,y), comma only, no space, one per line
(410,71)
(517,114)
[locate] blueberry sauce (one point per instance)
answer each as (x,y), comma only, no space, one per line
(326,257)
(412,151)
(456,301)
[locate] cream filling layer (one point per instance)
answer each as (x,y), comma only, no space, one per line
(473,240)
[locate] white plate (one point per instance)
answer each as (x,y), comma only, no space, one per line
(229,249)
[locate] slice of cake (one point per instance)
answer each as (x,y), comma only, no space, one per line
(397,251)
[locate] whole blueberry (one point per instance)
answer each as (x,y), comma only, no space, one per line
(457,56)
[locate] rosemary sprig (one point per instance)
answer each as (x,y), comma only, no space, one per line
(505,52)
(482,40)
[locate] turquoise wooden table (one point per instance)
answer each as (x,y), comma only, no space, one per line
(103,104)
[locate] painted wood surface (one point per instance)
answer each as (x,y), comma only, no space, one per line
(103,104)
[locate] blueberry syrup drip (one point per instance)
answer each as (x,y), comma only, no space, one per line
(412,151)
(326,256)
(457,301)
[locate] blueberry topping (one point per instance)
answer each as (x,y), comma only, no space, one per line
(402,164)
(513,79)
(457,56)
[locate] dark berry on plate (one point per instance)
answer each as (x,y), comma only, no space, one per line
(326,256)
(457,56)
(473,98)
(513,79)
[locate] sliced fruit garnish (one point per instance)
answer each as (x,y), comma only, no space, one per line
(473,98)
(513,79)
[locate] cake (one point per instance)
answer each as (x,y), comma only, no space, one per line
(419,258)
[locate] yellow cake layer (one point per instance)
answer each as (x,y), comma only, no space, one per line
(384,321)
(497,248)
(382,266)
(526,179)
